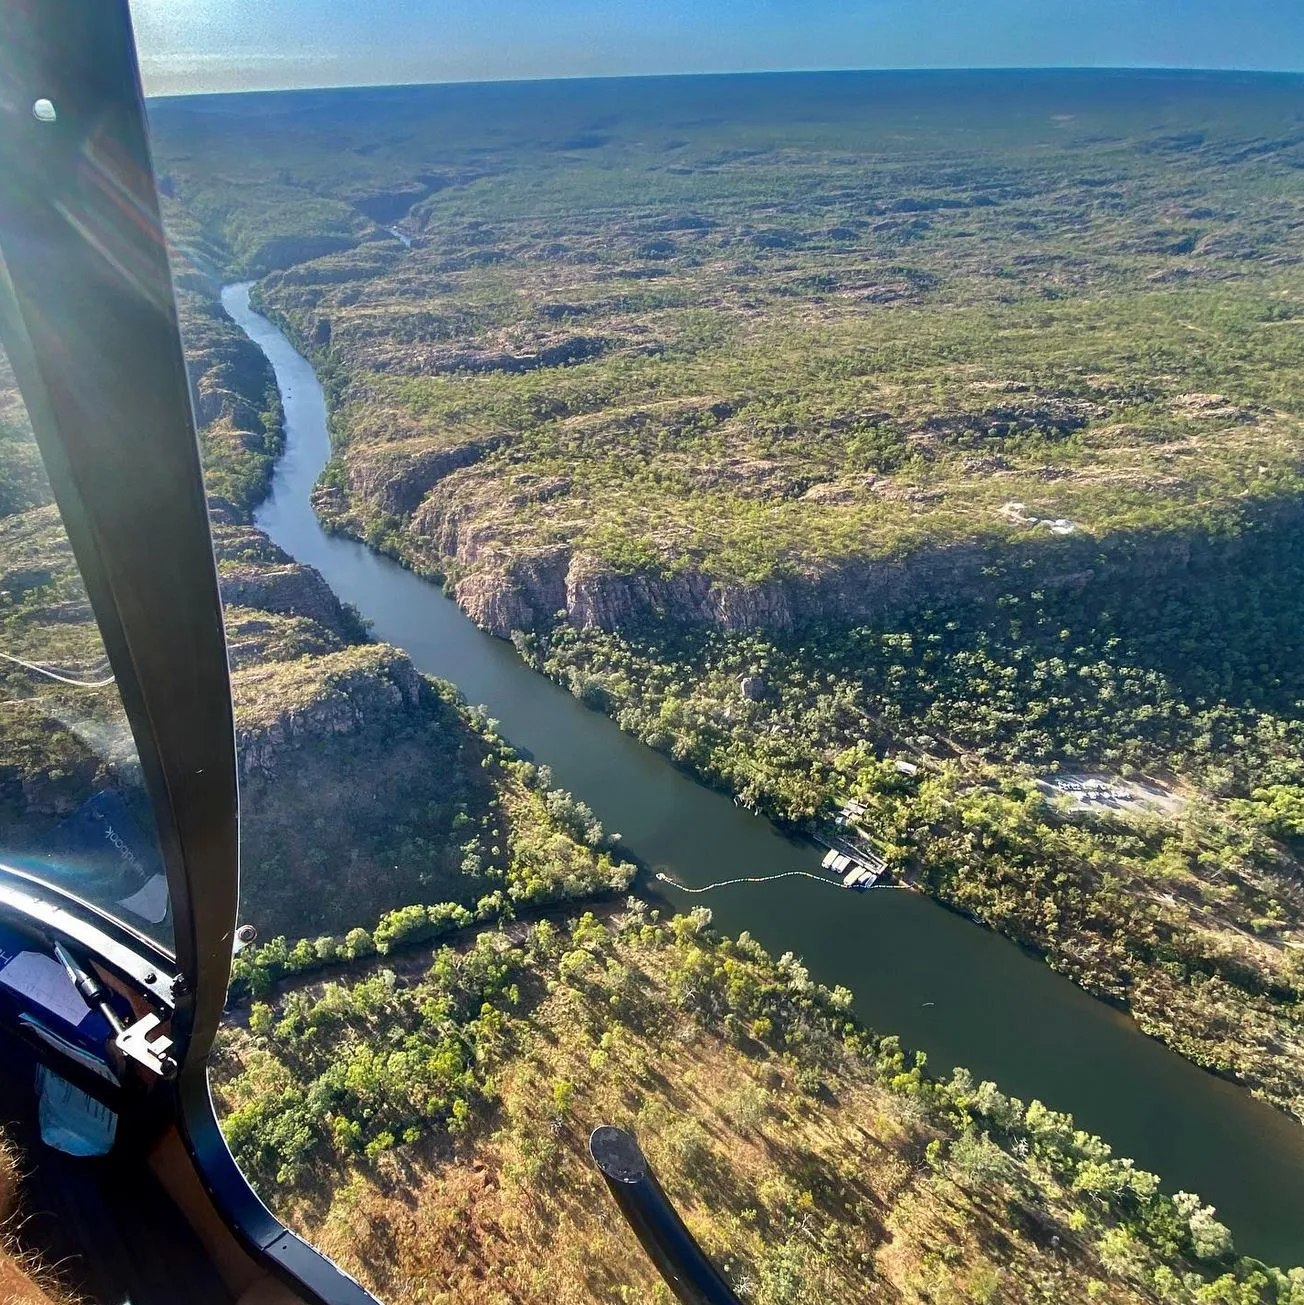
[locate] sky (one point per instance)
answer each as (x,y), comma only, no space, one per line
(190,46)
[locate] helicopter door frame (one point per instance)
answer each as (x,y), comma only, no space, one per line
(89,321)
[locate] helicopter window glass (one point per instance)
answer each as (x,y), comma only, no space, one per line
(655,513)
(73,809)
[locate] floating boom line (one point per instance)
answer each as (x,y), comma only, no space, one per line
(762,879)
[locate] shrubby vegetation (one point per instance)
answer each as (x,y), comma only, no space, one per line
(550,857)
(22,478)
(815,1159)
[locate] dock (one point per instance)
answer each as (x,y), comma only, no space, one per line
(853,868)
(851,855)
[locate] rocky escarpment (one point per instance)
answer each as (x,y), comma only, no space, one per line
(235,402)
(356,773)
(287,589)
(515,537)
(227,372)
(301,673)
(397,479)
(504,591)
(283,707)
(353,767)
(255,573)
(559,353)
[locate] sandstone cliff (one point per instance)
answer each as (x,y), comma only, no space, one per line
(502,589)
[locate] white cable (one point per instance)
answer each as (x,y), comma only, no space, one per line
(763,879)
(54,675)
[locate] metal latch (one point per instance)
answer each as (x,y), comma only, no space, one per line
(133,1040)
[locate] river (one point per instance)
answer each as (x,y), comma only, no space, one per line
(949,987)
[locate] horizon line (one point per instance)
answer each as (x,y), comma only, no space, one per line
(741,72)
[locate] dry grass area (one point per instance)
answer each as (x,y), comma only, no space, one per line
(804,1187)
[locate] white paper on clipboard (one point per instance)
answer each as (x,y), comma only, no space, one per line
(41,979)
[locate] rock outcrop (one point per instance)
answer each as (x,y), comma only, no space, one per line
(288,590)
(351,763)
(503,592)
(283,706)
(396,480)
(443,359)
(255,573)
